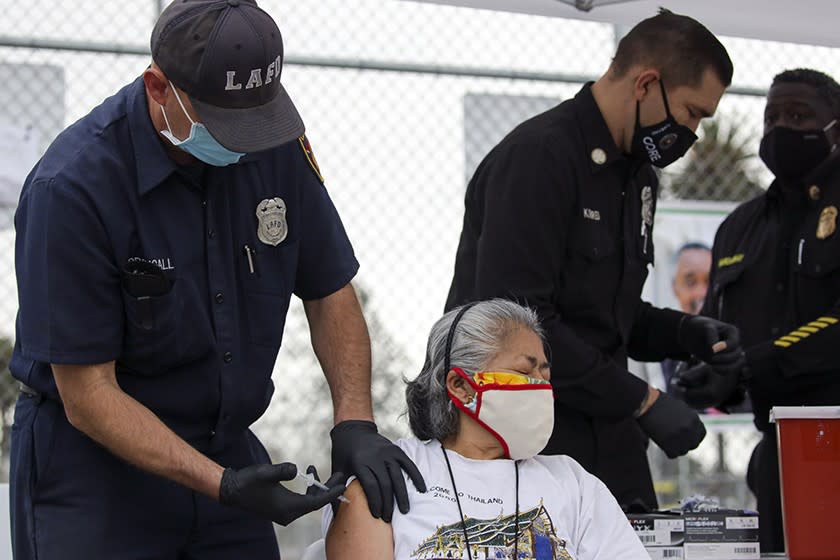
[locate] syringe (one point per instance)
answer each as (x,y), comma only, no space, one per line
(309,479)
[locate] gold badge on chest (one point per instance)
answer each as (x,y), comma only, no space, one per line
(827,223)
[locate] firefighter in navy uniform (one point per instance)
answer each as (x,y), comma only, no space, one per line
(776,275)
(559,217)
(159,241)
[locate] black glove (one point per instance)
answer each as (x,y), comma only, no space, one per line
(673,426)
(257,489)
(697,335)
(357,449)
(703,386)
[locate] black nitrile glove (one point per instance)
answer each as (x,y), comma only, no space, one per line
(378,464)
(257,489)
(703,386)
(672,425)
(697,335)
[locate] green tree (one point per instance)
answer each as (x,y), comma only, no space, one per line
(717,167)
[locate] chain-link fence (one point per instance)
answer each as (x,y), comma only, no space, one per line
(401,100)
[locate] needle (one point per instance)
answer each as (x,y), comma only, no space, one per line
(309,479)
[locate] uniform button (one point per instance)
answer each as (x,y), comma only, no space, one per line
(204,203)
(780,287)
(599,156)
(774,331)
(220,298)
(212,433)
(228,357)
(814,192)
(818,268)
(211,234)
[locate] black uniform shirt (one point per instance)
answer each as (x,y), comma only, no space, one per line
(776,275)
(557,218)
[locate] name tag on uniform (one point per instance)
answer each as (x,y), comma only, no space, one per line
(590,214)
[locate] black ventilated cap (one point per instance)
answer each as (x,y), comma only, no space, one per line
(227,55)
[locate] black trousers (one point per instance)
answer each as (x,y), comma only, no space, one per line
(763,480)
(73,500)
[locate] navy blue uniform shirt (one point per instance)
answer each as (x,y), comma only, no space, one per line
(200,355)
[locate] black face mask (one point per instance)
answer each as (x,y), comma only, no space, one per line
(663,143)
(791,154)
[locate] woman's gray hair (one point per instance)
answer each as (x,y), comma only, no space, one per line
(479,336)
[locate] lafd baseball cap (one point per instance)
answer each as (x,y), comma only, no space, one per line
(227,55)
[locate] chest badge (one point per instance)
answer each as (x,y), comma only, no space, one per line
(647,208)
(272,227)
(827,223)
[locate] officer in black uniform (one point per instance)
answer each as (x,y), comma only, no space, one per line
(159,241)
(776,275)
(559,216)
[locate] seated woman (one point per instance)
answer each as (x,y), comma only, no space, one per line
(482,408)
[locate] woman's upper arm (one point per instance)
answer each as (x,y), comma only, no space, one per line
(355,533)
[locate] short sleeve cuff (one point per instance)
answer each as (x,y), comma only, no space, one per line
(329,285)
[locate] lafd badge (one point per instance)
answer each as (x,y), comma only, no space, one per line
(647,208)
(272,227)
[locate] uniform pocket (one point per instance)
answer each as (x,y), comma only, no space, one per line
(43,440)
(149,314)
(33,437)
(268,281)
(725,278)
(163,332)
(150,325)
(594,242)
(818,257)
(266,317)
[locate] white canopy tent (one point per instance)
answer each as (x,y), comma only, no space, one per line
(812,22)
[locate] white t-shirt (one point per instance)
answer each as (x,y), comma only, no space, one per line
(565,513)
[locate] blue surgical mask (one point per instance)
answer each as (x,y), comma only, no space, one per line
(199,143)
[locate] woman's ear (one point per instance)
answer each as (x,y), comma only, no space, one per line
(458,387)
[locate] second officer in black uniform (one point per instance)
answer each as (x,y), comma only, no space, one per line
(776,275)
(559,217)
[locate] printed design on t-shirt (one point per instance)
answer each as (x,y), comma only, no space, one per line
(494,539)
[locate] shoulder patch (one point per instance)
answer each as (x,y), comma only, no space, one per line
(310,156)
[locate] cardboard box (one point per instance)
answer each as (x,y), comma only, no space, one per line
(721,551)
(723,534)
(658,529)
(665,552)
